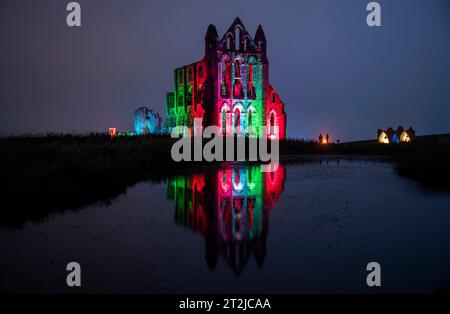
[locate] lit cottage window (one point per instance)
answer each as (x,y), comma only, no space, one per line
(405,138)
(400,135)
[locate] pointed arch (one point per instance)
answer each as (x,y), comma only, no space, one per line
(238,111)
(246,42)
(251,93)
(225,118)
(237,118)
(237,68)
(251,178)
(225,70)
(228,41)
(252,120)
(237,180)
(272,123)
(237,38)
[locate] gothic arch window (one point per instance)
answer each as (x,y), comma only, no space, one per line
(237,38)
(224,120)
(228,43)
(272,123)
(189,95)
(245,44)
(237,119)
(190,119)
(226,72)
(250,87)
(251,121)
(225,116)
(200,94)
(237,69)
(237,183)
(237,90)
(260,43)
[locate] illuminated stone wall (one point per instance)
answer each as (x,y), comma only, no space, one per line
(146,121)
(229,87)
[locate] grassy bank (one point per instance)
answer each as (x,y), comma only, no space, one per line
(44,174)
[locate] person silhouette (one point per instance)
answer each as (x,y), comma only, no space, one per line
(328,139)
(320,138)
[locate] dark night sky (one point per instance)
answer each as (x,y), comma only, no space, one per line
(334,73)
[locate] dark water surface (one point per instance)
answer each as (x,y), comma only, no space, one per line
(309,227)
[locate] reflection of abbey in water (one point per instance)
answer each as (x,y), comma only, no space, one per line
(230,208)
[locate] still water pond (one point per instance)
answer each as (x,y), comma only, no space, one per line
(306,228)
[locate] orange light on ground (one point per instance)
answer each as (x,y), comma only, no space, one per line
(112,132)
(324,140)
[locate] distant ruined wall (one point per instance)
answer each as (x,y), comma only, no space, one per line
(146,121)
